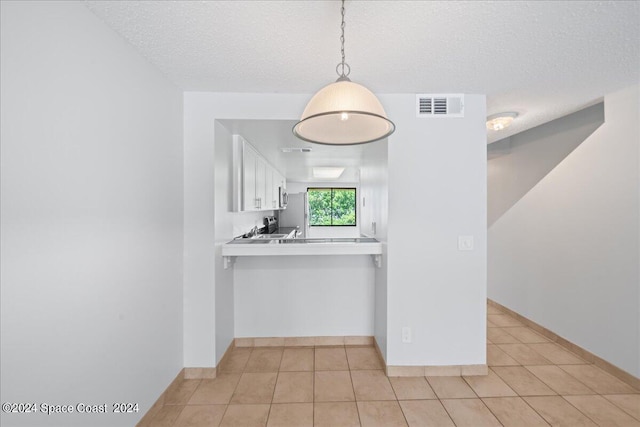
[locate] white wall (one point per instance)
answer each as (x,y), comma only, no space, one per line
(91,217)
(437,192)
(374,185)
(228,224)
(566,255)
(295,296)
(432,287)
(518,163)
(209,224)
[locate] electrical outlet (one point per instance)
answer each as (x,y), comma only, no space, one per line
(465,243)
(406,334)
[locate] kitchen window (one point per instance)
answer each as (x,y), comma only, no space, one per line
(332,206)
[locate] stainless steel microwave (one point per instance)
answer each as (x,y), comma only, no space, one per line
(283,197)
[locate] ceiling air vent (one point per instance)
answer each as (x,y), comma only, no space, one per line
(441,105)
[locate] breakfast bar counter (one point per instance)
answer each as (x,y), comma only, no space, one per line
(300,247)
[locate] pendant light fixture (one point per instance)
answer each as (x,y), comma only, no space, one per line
(343,113)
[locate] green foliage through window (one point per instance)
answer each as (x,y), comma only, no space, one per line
(332,206)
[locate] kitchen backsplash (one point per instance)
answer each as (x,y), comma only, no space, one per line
(245,221)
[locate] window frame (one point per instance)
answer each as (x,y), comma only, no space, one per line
(355,206)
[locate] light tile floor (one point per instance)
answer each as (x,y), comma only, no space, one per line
(531,382)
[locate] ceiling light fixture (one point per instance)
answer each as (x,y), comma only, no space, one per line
(327,172)
(343,113)
(500,121)
(296,149)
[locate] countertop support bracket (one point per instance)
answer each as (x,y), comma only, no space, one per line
(227,261)
(377,260)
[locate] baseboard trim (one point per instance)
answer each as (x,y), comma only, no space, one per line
(159,403)
(227,354)
(199,373)
(431,371)
(384,359)
(208,373)
(437,371)
(606,366)
(302,341)
(184,374)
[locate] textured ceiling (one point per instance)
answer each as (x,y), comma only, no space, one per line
(543,59)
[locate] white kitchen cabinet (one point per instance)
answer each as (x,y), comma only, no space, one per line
(249,162)
(275,188)
(278,181)
(259,181)
(254,172)
(261,190)
(268,188)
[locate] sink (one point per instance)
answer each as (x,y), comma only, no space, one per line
(270,236)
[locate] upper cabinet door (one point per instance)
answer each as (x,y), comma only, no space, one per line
(255,182)
(249,196)
(268,188)
(261,192)
(275,189)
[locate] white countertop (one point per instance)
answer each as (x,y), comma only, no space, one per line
(293,247)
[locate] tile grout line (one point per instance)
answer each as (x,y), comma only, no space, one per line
(548,385)
(313,388)
(534,410)
(398,400)
(224,413)
(240,379)
(559,395)
(490,411)
(469,385)
(272,395)
(355,399)
(632,416)
(556,394)
(620,407)
(394,392)
(524,367)
(578,379)
(578,409)
(446,410)
(175,422)
(517,394)
(480,398)
(571,347)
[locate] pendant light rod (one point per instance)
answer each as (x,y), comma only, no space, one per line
(344,68)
